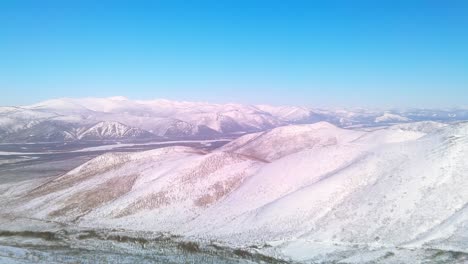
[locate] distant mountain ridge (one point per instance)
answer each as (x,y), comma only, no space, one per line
(66,119)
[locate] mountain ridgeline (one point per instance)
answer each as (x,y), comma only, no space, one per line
(118,118)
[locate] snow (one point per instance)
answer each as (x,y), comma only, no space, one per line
(111,130)
(113,147)
(282,141)
(124,145)
(288,113)
(159,117)
(180,119)
(390,117)
(7,153)
(324,191)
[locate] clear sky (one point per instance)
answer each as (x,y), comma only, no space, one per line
(312,53)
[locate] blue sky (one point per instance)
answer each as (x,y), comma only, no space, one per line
(312,53)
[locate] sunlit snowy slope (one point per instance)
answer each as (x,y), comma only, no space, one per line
(404,185)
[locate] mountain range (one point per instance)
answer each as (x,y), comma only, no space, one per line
(118,118)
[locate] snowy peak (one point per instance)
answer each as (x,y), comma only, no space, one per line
(389,117)
(61,106)
(118,98)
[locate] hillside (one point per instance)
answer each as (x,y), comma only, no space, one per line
(388,187)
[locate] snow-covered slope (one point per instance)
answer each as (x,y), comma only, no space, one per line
(287,113)
(286,140)
(55,130)
(399,186)
(160,188)
(112,130)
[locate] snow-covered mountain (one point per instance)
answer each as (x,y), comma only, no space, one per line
(53,130)
(161,118)
(54,120)
(388,117)
(303,186)
(112,130)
